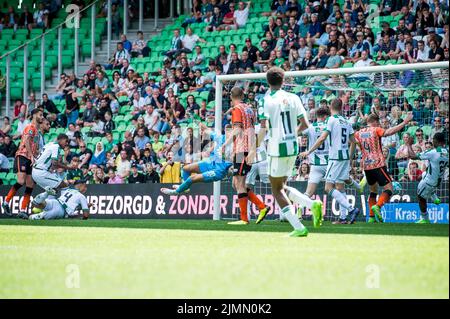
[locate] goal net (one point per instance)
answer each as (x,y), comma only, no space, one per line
(389,90)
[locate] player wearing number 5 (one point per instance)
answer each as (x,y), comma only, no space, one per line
(282,113)
(342,146)
(374,163)
(67,205)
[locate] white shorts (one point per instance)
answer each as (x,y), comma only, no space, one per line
(53,210)
(258,169)
(281,166)
(337,171)
(425,190)
(46,179)
(317,174)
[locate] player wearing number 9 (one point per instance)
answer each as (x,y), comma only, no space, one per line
(67,205)
(374,162)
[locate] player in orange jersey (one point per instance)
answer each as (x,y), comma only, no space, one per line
(374,163)
(25,155)
(244,150)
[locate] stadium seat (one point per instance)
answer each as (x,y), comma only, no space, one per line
(427,130)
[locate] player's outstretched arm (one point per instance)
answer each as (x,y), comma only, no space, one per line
(304,124)
(411,154)
(318,143)
(262,132)
(399,127)
(353,143)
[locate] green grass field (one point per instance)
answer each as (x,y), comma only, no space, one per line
(207,259)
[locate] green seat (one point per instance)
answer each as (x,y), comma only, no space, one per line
(7,34)
(127,118)
(95,140)
(10,176)
(412,130)
(427,130)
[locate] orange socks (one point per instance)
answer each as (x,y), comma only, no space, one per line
(243,201)
(12,192)
(255,200)
(25,202)
(372,202)
(384,198)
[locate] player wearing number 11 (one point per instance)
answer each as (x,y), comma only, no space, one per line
(282,112)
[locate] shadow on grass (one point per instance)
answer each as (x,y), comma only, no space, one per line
(433,230)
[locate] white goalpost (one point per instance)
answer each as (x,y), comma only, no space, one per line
(381,78)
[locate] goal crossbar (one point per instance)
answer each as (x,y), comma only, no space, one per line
(221,79)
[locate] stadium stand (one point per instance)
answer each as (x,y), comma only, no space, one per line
(146,107)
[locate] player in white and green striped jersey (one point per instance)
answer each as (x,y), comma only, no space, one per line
(437,164)
(285,115)
(342,145)
(318,160)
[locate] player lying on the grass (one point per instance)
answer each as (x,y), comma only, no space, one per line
(285,113)
(243,139)
(374,163)
(437,162)
(23,163)
(340,132)
(209,170)
(319,160)
(67,205)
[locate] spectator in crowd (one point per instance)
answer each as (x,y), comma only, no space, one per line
(151,175)
(5,128)
(170,171)
(116,61)
(26,19)
(123,165)
(135,177)
(414,174)
(85,154)
(189,41)
(4,165)
(51,112)
(99,157)
(139,46)
(303,173)
(9,20)
(127,45)
(76,173)
(113,178)
(40,17)
(8,148)
(241,14)
(402,151)
(23,122)
(98,176)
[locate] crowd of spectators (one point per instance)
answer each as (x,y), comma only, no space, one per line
(299,35)
(29,19)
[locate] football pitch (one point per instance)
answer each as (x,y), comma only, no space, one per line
(207,259)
